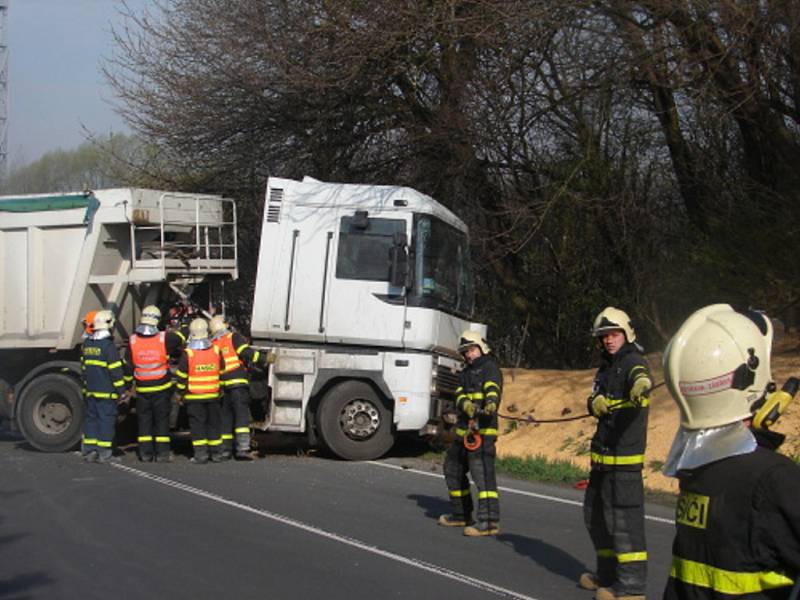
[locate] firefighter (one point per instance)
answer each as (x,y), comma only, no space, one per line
(235,380)
(613,507)
(148,354)
(103,386)
(477,400)
(198,384)
(737,520)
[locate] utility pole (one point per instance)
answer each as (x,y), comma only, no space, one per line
(3,89)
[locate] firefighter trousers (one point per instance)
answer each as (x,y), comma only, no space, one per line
(204,423)
(152,417)
(480,463)
(99,425)
(236,418)
(613,511)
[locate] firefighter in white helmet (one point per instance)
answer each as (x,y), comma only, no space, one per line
(198,384)
(103,386)
(235,380)
(478,394)
(613,506)
(148,355)
(738,513)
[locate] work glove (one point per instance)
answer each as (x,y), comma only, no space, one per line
(490,408)
(640,389)
(269,358)
(177,398)
(600,406)
(469,408)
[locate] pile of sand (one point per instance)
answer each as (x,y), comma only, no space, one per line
(547,394)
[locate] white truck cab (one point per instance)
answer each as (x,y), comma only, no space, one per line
(364,291)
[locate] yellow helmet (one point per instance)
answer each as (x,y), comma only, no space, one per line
(217,324)
(611,319)
(103,320)
(198,329)
(718,364)
(151,315)
(472,338)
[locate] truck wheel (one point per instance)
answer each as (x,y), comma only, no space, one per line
(353,422)
(51,412)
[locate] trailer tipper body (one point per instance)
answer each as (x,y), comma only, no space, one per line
(62,255)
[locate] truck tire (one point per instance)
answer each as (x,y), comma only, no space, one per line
(51,412)
(353,422)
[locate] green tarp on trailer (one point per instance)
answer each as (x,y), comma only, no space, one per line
(55,202)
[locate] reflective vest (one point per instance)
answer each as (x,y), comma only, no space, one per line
(235,373)
(203,374)
(149,356)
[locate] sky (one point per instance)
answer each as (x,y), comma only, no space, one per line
(55,87)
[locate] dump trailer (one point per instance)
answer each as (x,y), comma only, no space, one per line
(363,291)
(62,255)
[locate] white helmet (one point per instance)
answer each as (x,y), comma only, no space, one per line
(103,320)
(718,364)
(472,338)
(151,315)
(198,330)
(217,324)
(611,319)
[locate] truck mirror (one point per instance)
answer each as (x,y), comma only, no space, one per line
(398,269)
(360,219)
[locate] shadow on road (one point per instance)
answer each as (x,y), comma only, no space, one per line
(432,505)
(13,586)
(548,556)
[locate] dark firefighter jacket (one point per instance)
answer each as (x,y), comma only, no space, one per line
(102,368)
(737,529)
(238,353)
(480,382)
(621,435)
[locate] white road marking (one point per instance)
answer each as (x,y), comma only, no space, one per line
(509,490)
(412,562)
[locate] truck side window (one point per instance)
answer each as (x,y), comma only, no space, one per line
(364,253)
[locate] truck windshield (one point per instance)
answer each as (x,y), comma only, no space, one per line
(442,268)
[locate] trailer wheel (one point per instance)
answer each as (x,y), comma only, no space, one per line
(51,412)
(353,422)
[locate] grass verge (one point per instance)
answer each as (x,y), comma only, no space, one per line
(539,468)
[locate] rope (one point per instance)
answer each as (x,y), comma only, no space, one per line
(531,419)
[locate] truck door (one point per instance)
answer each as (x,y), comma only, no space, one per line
(363,307)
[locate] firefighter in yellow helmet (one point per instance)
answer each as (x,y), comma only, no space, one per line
(198,385)
(235,380)
(737,520)
(148,354)
(477,401)
(613,506)
(103,386)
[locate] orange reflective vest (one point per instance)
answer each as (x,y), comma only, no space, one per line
(203,374)
(149,357)
(225,345)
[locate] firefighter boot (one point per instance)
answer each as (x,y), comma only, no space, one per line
(200,455)
(589,581)
(90,456)
(609,594)
(482,528)
(454,521)
(243,446)
(106,456)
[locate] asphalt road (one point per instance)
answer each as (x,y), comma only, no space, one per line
(283,526)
